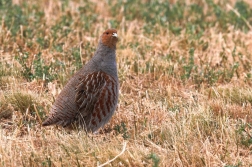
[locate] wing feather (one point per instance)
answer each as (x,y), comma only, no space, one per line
(88,91)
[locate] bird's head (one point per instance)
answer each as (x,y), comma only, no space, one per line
(109,38)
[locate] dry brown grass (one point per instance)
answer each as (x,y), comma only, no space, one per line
(165,120)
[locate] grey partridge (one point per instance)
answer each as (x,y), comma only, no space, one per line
(90,97)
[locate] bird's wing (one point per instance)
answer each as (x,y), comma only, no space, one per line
(88,91)
(86,94)
(96,98)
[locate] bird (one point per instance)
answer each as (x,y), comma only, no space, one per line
(90,97)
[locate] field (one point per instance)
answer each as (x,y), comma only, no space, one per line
(185,71)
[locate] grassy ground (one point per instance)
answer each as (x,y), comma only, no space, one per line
(185,82)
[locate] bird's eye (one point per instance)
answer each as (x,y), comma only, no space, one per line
(107,33)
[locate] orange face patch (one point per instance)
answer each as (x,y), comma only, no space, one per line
(109,38)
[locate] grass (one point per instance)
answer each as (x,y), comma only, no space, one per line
(185,82)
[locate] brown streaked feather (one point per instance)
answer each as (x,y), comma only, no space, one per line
(87,92)
(105,104)
(94,99)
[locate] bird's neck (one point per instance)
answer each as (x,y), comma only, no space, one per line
(105,59)
(103,48)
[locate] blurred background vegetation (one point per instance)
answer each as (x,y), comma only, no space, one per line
(185,75)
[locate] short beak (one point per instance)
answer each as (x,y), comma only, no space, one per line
(115,35)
